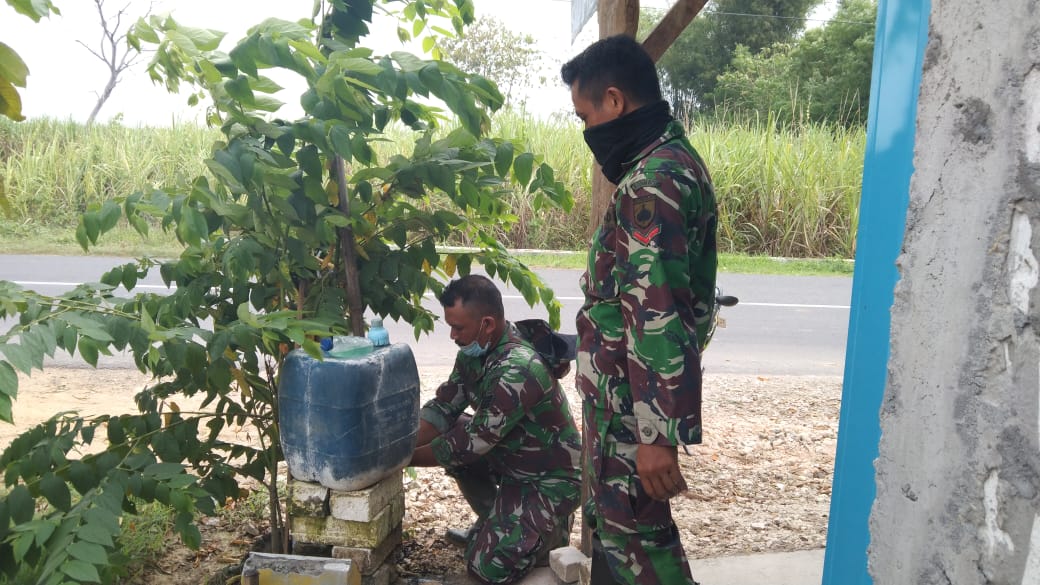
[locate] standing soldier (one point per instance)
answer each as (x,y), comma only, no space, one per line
(516,458)
(649,293)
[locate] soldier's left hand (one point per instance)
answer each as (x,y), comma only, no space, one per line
(658,469)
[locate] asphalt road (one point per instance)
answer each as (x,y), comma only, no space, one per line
(784,325)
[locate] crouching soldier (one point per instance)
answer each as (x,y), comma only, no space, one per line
(516,457)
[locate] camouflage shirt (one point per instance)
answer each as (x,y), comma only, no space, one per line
(649,291)
(521,421)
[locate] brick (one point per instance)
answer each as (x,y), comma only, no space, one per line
(270,569)
(364,505)
(346,533)
(384,575)
(585,572)
(309,499)
(564,562)
(368,560)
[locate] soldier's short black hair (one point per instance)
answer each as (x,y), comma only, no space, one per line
(476,292)
(618,61)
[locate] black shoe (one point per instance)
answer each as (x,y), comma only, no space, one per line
(459,536)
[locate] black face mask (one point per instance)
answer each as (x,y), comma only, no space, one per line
(618,141)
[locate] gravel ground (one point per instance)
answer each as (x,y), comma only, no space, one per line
(760,482)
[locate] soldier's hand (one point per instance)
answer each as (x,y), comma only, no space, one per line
(658,469)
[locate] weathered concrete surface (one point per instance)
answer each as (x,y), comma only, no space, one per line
(958,474)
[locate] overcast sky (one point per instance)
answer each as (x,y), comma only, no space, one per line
(65,77)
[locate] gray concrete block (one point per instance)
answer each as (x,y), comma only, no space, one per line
(346,533)
(565,561)
(368,560)
(272,569)
(309,499)
(364,505)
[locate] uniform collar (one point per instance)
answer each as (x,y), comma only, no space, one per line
(673,131)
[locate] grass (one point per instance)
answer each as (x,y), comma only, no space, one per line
(29,238)
(791,192)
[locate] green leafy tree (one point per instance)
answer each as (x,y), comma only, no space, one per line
(490,49)
(822,77)
(299,229)
(706,48)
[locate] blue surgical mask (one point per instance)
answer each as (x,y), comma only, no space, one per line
(474,349)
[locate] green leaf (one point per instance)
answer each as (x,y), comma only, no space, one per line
(503,158)
(23,543)
(10,101)
(191,537)
(431,74)
(81,571)
(21,504)
(359,66)
(92,223)
(522,167)
(8,380)
(81,233)
(88,350)
(12,68)
(5,409)
(340,138)
(163,470)
(56,491)
(113,277)
(110,214)
(309,161)
(81,476)
(19,356)
(90,552)
(94,533)
(203,39)
(239,89)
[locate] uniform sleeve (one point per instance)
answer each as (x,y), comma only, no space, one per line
(447,405)
(652,272)
(508,394)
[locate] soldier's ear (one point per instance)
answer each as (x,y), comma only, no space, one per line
(614,102)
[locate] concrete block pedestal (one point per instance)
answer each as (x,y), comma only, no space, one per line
(363,527)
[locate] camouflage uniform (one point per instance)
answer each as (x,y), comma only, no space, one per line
(649,291)
(516,458)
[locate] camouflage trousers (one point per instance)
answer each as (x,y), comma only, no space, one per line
(635,533)
(518,523)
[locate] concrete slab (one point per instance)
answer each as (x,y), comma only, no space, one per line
(795,568)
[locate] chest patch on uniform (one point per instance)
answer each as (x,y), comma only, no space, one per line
(644,212)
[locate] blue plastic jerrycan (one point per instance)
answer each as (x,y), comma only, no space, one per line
(348,423)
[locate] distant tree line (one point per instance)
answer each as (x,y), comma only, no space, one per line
(750,59)
(739,59)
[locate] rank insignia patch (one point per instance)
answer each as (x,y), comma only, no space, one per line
(646,236)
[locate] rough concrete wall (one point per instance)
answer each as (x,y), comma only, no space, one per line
(958,474)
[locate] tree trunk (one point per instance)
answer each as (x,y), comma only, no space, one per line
(113,79)
(352,282)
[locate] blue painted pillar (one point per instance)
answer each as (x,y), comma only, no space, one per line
(902,32)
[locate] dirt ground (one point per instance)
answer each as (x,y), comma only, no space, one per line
(760,482)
